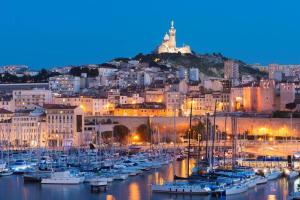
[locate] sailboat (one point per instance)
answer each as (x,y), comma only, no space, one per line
(4,166)
(4,170)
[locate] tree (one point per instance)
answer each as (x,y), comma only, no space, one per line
(121,133)
(291,106)
(93,72)
(8,78)
(106,136)
(42,76)
(196,129)
(75,71)
(143,132)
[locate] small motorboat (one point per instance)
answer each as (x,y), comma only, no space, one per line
(290,174)
(236,189)
(178,188)
(261,180)
(64,177)
(6,173)
(121,176)
(272,175)
(20,166)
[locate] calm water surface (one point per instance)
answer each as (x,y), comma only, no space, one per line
(135,188)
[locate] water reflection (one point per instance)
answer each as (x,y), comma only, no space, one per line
(134,191)
(158,178)
(272,197)
(110,197)
(135,188)
(181,167)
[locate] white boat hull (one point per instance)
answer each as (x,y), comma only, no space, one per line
(293,174)
(261,180)
(62,178)
(99,179)
(180,189)
(251,183)
(121,177)
(6,173)
(236,190)
(70,181)
(273,176)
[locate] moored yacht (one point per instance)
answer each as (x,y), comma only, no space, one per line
(273,174)
(20,166)
(236,189)
(2,166)
(6,172)
(181,188)
(290,174)
(64,177)
(261,180)
(121,176)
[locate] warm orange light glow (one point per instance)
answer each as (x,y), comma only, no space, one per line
(263,130)
(156,60)
(238,99)
(82,107)
(134,191)
(135,137)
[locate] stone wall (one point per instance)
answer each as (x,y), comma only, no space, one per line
(258,126)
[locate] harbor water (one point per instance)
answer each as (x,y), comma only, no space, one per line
(134,188)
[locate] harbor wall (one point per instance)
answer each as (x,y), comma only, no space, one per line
(253,125)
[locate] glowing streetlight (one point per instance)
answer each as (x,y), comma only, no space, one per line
(135,137)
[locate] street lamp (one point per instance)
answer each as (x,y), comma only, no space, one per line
(135,138)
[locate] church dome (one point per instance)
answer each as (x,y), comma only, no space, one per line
(166,38)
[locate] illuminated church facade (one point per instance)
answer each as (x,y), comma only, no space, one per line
(168,44)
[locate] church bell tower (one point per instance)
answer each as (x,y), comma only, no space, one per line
(172,34)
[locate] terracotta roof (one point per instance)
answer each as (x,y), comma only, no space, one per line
(148,105)
(58,106)
(4,111)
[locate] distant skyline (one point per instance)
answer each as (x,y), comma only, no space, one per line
(57,33)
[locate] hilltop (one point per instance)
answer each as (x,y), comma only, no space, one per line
(208,64)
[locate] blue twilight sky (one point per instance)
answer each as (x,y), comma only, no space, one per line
(44,33)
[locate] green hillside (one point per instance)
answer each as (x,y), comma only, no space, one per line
(209,64)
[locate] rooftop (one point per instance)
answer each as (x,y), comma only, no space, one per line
(58,106)
(4,111)
(149,105)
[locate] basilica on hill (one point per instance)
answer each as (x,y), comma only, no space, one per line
(168,44)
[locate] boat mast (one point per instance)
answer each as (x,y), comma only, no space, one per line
(234,137)
(291,126)
(150,133)
(189,137)
(207,133)
(174,128)
(199,143)
(96,132)
(213,136)
(225,139)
